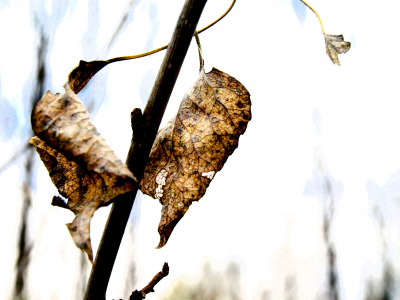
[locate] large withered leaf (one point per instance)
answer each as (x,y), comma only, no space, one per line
(195,144)
(80,163)
(335,45)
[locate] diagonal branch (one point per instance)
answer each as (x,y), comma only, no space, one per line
(138,155)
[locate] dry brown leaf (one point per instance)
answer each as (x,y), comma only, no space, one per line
(195,145)
(335,44)
(81,75)
(80,163)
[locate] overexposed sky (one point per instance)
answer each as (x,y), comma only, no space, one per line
(263,209)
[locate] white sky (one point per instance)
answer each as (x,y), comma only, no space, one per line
(262,210)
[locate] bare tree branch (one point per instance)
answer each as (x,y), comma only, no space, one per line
(152,117)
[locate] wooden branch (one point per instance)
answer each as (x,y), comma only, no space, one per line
(149,288)
(139,152)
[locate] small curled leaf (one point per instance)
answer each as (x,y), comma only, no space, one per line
(81,165)
(195,144)
(62,121)
(335,45)
(81,74)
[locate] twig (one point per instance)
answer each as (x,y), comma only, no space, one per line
(149,288)
(24,245)
(160,275)
(152,117)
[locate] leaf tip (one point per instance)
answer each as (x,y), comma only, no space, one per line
(84,245)
(80,229)
(81,74)
(163,241)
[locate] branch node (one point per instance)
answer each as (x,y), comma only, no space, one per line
(136,118)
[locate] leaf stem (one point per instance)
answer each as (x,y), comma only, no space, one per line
(196,35)
(315,12)
(121,58)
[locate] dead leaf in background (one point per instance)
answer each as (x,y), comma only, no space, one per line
(335,44)
(195,145)
(81,165)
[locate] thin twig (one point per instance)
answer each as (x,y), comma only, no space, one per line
(160,275)
(315,12)
(149,288)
